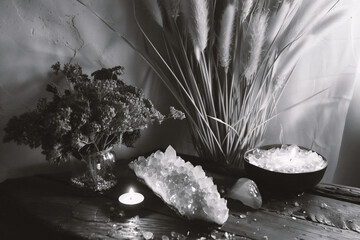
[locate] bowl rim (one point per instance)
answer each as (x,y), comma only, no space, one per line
(269,146)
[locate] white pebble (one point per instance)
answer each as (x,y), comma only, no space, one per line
(148,235)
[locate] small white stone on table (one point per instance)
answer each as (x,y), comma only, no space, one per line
(148,235)
(164,237)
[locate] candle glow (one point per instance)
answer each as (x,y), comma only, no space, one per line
(131,198)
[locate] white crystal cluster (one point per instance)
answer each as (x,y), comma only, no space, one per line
(182,186)
(287,159)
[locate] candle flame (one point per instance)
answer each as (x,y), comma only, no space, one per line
(131,190)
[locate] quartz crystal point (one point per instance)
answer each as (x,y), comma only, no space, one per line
(246,191)
(182,186)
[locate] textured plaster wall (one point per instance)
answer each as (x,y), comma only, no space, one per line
(36,34)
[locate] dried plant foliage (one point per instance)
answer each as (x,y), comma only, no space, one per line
(91,115)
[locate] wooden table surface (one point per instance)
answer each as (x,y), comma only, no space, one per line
(49,207)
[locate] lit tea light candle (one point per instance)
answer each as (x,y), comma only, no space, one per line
(131,198)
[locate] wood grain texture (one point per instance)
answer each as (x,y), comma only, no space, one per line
(301,217)
(52,209)
(81,214)
(345,193)
(319,209)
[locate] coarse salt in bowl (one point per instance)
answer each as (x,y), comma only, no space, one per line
(284,167)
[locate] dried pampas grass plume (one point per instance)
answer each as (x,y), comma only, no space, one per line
(277,22)
(226,36)
(196,14)
(257,30)
(245,9)
(279,82)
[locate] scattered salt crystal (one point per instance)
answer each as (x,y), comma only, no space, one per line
(265,237)
(134,220)
(148,235)
(121,213)
(242,216)
(214,234)
(287,159)
(293,218)
(324,205)
(300,194)
(296,204)
(181,237)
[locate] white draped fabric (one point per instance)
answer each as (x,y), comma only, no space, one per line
(332,64)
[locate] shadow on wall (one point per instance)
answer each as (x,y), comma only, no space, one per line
(348,169)
(18,98)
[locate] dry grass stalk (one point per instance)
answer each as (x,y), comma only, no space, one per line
(277,21)
(257,30)
(246,9)
(196,14)
(226,35)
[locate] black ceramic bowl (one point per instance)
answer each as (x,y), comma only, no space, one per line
(271,181)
